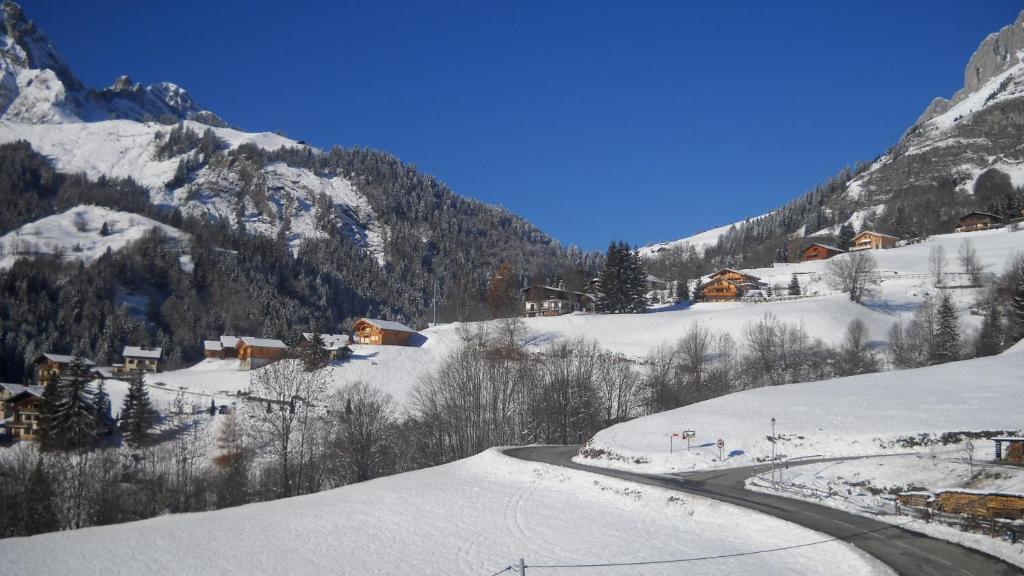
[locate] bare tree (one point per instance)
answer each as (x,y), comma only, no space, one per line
(365,429)
(969,261)
(855,273)
(937,263)
(280,396)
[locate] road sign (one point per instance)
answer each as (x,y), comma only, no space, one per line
(721,446)
(689,433)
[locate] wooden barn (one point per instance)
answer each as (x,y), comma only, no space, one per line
(727,284)
(50,366)
(975,221)
(381,332)
(871,240)
(540,300)
(258,352)
(818,251)
(335,344)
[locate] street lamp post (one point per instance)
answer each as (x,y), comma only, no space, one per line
(773,452)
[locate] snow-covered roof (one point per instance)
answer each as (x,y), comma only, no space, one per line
(989,214)
(554,289)
(16,389)
(653,278)
(142,352)
(36,391)
(1008,439)
(331,341)
(212,345)
(389,325)
(873,233)
(733,271)
(826,246)
(229,341)
(263,342)
(65,359)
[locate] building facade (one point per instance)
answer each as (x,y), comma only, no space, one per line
(870,240)
(381,332)
(539,300)
(820,252)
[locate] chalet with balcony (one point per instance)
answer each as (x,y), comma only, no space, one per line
(974,221)
(727,285)
(870,240)
(539,300)
(23,413)
(381,332)
(336,345)
(818,251)
(51,366)
(258,352)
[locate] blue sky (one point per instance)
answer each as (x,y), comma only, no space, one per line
(642,121)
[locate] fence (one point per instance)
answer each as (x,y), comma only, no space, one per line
(1009,530)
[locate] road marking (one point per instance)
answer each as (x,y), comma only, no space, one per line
(819,516)
(950,564)
(845,524)
(898,543)
(966,571)
(877,535)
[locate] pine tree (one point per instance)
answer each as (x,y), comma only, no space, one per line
(137,414)
(990,335)
(1017,309)
(72,423)
(315,356)
(947,333)
(51,399)
(38,512)
(794,286)
(683,290)
(611,283)
(102,410)
(213,408)
(846,234)
(104,229)
(636,280)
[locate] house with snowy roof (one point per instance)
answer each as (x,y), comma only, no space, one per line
(50,366)
(819,251)
(727,285)
(336,345)
(258,352)
(224,347)
(381,332)
(23,412)
(871,240)
(140,359)
(541,300)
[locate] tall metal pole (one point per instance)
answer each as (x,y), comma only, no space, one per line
(435,300)
(773,452)
(521,567)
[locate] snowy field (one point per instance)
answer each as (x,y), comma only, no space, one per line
(867,486)
(76,234)
(474,516)
(860,415)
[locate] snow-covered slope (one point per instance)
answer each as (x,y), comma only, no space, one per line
(474,516)
(860,415)
(76,235)
(117,132)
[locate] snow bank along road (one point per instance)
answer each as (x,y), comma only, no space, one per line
(905,552)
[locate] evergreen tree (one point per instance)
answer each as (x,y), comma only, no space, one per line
(72,422)
(794,286)
(1017,309)
(683,290)
(213,408)
(846,234)
(51,399)
(990,336)
(104,229)
(314,356)
(611,284)
(38,511)
(101,404)
(137,414)
(947,333)
(636,280)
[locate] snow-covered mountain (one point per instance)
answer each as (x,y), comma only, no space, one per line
(935,168)
(118,132)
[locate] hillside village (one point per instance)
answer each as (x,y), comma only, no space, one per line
(233,352)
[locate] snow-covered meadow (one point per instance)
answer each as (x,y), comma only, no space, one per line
(474,516)
(887,412)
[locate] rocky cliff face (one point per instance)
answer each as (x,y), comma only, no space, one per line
(37,86)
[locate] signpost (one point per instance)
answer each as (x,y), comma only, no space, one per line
(688,434)
(721,447)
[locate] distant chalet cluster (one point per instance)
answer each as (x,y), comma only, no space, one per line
(23,404)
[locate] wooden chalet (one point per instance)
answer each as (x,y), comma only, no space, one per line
(258,352)
(655,283)
(335,344)
(870,240)
(225,347)
(818,251)
(140,359)
(540,300)
(974,221)
(50,366)
(381,332)
(23,413)
(726,285)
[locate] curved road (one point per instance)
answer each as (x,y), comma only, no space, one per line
(906,552)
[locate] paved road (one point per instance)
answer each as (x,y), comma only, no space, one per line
(908,553)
